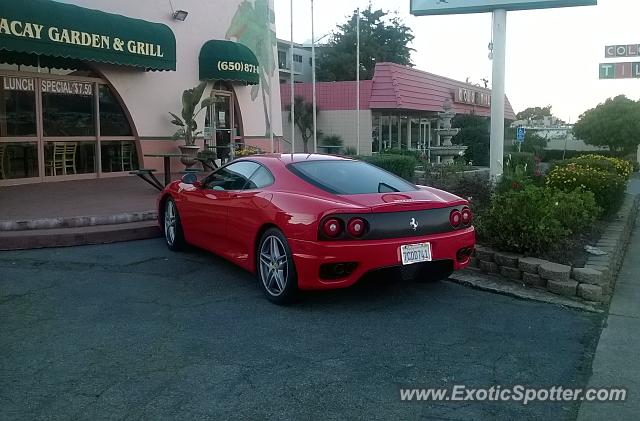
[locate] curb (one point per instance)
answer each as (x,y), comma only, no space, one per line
(483,282)
(77,221)
(584,287)
(65,237)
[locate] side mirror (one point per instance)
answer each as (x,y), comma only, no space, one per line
(189,178)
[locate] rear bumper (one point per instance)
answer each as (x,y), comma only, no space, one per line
(370,255)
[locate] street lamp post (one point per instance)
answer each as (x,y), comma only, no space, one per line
(313,79)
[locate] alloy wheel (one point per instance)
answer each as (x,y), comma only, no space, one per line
(170,222)
(274,269)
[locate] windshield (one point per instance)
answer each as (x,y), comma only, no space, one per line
(349,177)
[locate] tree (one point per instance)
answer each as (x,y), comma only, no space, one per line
(474,133)
(614,124)
(383,38)
(303,115)
(534,113)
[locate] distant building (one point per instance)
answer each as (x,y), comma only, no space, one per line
(301,67)
(398,108)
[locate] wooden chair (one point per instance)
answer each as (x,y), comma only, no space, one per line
(126,155)
(63,158)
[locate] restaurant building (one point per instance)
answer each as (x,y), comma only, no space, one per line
(86,87)
(398,108)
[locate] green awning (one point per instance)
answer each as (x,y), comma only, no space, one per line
(228,60)
(35,29)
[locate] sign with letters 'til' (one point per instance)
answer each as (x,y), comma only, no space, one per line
(450,7)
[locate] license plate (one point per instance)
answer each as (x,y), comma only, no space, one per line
(415,253)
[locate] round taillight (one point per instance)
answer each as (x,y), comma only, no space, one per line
(356,227)
(467,216)
(332,227)
(455,218)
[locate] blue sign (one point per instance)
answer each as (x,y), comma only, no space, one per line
(520,134)
(450,7)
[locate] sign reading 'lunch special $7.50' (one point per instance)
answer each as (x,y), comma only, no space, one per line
(69,87)
(35,31)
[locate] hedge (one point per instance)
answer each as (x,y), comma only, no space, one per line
(535,219)
(607,187)
(402,165)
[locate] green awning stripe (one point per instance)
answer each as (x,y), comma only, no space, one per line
(228,60)
(50,28)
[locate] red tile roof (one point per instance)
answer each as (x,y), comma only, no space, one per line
(330,95)
(405,88)
(394,87)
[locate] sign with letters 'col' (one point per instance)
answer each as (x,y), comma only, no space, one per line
(450,7)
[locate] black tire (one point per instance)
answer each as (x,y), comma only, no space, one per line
(174,241)
(275,269)
(434,271)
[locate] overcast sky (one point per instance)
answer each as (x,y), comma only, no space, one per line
(552,55)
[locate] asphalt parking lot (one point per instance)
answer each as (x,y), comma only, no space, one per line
(132,330)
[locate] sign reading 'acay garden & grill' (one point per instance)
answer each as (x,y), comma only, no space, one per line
(70,36)
(53,29)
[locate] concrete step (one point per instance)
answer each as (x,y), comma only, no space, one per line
(75,236)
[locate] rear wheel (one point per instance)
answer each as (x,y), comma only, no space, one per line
(172,227)
(276,270)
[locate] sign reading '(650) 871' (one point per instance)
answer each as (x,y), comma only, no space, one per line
(446,7)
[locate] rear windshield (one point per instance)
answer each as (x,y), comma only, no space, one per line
(349,177)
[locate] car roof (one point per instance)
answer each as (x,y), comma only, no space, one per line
(287,158)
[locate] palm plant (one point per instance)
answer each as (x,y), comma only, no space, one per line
(303,116)
(187,124)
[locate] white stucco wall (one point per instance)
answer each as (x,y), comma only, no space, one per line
(149,96)
(341,123)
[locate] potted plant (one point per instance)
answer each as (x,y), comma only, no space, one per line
(187,125)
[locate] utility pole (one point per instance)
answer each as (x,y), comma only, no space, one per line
(358,83)
(496,150)
(313,78)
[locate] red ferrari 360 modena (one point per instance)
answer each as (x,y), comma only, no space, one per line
(308,221)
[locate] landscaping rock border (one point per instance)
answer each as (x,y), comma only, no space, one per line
(592,283)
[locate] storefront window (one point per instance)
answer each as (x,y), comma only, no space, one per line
(18,160)
(118,156)
(68,108)
(69,158)
(113,121)
(17,107)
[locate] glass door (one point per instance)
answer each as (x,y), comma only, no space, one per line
(222,129)
(425,134)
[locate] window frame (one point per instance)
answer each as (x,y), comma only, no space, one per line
(208,178)
(295,171)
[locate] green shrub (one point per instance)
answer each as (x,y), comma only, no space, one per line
(475,187)
(349,151)
(401,165)
(535,219)
(331,140)
(619,166)
(396,151)
(608,188)
(549,155)
(522,160)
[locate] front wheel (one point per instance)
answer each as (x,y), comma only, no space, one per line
(172,227)
(276,270)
